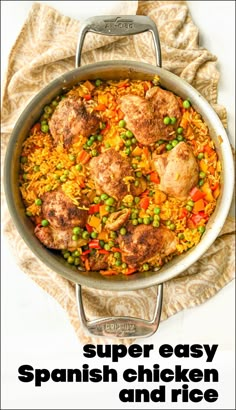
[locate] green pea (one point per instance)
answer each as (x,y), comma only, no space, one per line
(179,130)
(98,82)
(186,104)
(71,260)
(36,168)
(156,224)
(96,200)
(166,120)
(133,215)
(160,142)
(157,210)
(140,220)
(101,243)
(200,155)
(127,151)
(122,123)
(66,255)
(75,253)
(93,138)
(172,227)
(47,109)
(63,178)
(135,222)
(136,199)
(145,267)
(180,235)
(85,235)
(104,197)
(89,143)
(23,160)
(201,182)
(104,219)
(45,116)
(54,103)
(190,203)
(129,134)
(168,223)
(134,140)
(118,263)
(102,125)
(107,247)
(111,244)
(138,158)
(74,237)
(123,231)
(71,157)
(124,265)
(48,188)
(94,153)
(136,183)
(44,222)
(138,174)
(157,217)
(44,128)
(123,135)
(100,138)
(189,208)
(55,176)
(59,166)
(117,255)
(201,229)
(38,201)
(66,172)
(128,143)
(134,166)
(148,177)
(108,208)
(77,230)
(113,235)
(28,213)
(174,143)
(180,138)
(79,167)
(169,147)
(146,220)
(202,174)
(172,120)
(94,235)
(110,201)
(77,261)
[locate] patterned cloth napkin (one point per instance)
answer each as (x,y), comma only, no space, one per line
(45,49)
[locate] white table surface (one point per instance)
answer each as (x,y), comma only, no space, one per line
(35,329)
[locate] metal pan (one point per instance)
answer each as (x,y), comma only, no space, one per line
(121,26)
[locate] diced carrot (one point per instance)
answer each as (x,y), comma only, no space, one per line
(198,206)
(100,107)
(216,192)
(87,264)
(146,152)
(144,203)
(108,272)
(83,157)
(215,186)
(115,249)
(209,150)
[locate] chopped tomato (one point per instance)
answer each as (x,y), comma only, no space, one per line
(94,209)
(94,244)
(196,194)
(36,128)
(183,213)
(144,203)
(154,177)
(198,217)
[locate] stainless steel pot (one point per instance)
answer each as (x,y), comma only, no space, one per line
(122,26)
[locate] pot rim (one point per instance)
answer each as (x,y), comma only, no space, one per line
(170,270)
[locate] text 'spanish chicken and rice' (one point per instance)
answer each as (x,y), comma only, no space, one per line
(120,176)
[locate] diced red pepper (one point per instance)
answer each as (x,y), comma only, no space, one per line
(129,271)
(87,97)
(94,209)
(144,203)
(94,244)
(115,249)
(107,127)
(183,213)
(215,186)
(89,228)
(196,194)
(145,193)
(36,128)
(123,84)
(198,217)
(83,157)
(86,252)
(154,177)
(103,252)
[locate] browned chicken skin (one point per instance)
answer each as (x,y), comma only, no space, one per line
(143,242)
(55,238)
(144,116)
(70,120)
(109,170)
(61,212)
(178,171)
(62,216)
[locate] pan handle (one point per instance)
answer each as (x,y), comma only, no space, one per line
(118,26)
(118,326)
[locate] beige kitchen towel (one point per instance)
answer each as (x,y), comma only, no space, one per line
(45,49)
